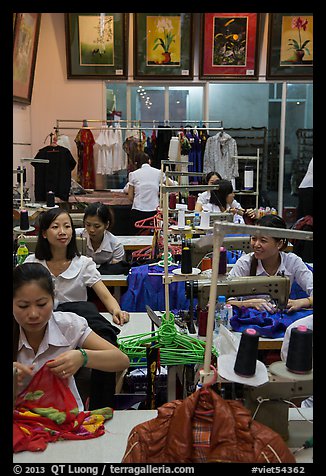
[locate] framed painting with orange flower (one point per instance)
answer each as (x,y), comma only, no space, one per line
(163,46)
(229,46)
(290,46)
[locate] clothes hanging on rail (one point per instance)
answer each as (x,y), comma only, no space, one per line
(164,135)
(108,152)
(220,152)
(54,176)
(85,170)
(135,142)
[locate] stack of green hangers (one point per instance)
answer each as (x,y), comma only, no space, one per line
(175,347)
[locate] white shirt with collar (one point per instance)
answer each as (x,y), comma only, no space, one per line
(146,182)
(291,264)
(203,199)
(65,331)
(71,285)
(110,248)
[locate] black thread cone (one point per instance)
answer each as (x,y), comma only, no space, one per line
(50,199)
(186,264)
(299,358)
(24,220)
(245,363)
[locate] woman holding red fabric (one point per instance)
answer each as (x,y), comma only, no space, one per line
(63,338)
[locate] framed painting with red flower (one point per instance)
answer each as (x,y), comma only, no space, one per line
(290,46)
(163,46)
(229,46)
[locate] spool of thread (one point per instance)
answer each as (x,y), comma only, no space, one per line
(24,220)
(172,200)
(202,322)
(204,219)
(246,360)
(174,149)
(299,358)
(181,218)
(222,263)
(186,263)
(50,199)
(206,263)
(248,178)
(191,201)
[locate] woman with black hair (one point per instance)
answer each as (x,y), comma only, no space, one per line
(62,341)
(101,245)
(73,274)
(269,259)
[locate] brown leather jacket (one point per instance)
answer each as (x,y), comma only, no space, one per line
(205,428)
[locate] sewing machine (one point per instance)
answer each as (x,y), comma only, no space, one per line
(201,246)
(277,287)
(270,403)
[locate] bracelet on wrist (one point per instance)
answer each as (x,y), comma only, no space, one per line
(85,356)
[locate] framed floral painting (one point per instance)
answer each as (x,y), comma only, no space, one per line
(163,46)
(229,46)
(290,46)
(96,45)
(26,33)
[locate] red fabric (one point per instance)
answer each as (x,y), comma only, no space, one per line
(47,411)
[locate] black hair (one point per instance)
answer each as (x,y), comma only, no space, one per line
(43,249)
(140,159)
(272,221)
(210,175)
(104,212)
(218,197)
(24,274)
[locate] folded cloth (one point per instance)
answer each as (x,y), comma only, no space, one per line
(267,324)
(46,411)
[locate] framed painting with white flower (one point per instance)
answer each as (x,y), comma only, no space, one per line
(290,46)
(163,46)
(229,46)
(96,45)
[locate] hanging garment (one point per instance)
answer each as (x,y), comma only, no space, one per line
(164,135)
(220,156)
(46,411)
(103,151)
(135,142)
(54,176)
(205,428)
(85,169)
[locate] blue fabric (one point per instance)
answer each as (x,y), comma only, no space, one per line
(146,289)
(268,325)
(296,291)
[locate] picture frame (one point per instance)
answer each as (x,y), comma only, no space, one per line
(290,46)
(26,35)
(163,46)
(229,46)
(97,45)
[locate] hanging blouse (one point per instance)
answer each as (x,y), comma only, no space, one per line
(220,156)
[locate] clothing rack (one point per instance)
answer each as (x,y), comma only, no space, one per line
(130,121)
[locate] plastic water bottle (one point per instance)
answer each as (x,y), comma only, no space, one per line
(22,252)
(229,309)
(196,220)
(221,314)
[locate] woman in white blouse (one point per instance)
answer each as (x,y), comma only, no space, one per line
(56,249)
(101,245)
(143,189)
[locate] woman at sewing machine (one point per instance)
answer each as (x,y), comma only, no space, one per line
(101,245)
(222,200)
(269,259)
